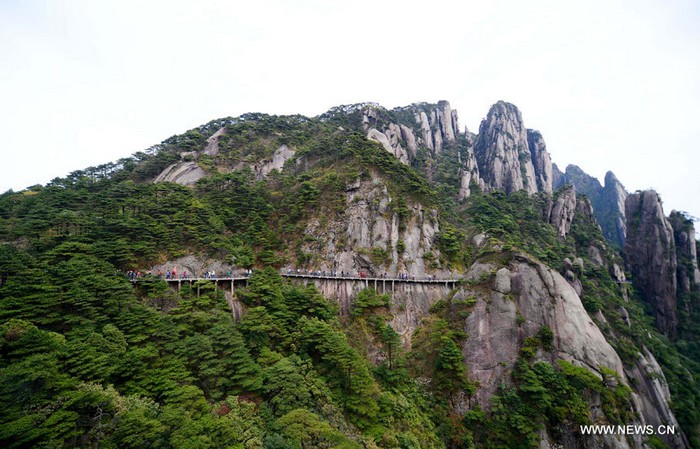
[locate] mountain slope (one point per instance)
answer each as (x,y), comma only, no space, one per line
(542,335)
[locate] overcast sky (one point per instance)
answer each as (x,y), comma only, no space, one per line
(612,85)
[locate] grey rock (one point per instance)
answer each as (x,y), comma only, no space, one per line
(543,298)
(502,282)
(390,141)
(614,196)
(595,256)
(625,316)
(568,265)
(652,398)
(686,249)
(425,130)
(469,174)
(447,121)
(608,201)
(370,223)
(281,155)
(541,161)
(410,139)
(212,147)
(502,151)
(562,215)
(184,173)
(479,239)
(650,255)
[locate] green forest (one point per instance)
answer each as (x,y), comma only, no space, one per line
(88,359)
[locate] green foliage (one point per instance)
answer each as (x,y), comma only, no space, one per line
(87,360)
(517,220)
(367,300)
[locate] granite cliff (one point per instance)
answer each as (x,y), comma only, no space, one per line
(538,331)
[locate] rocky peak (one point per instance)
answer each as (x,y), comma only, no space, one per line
(438,124)
(434,124)
(558,177)
(541,161)
(608,200)
(563,210)
(469,175)
(614,196)
(650,255)
(686,251)
(502,150)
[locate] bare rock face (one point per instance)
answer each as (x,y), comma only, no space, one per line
(541,297)
(558,177)
(608,201)
(563,211)
(584,209)
(427,135)
(212,148)
(650,255)
(438,126)
(614,195)
(541,161)
(281,155)
(371,238)
(390,140)
(185,173)
(502,150)
(686,250)
(652,398)
(408,136)
(469,174)
(446,120)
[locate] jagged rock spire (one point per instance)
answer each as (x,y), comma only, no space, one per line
(502,150)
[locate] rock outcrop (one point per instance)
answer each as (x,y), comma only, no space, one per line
(281,155)
(650,255)
(431,126)
(540,297)
(185,173)
(212,148)
(438,124)
(558,177)
(686,252)
(563,210)
(502,151)
(469,176)
(613,205)
(372,238)
(541,161)
(608,200)
(390,140)
(652,397)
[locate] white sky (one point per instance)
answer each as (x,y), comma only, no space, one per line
(612,85)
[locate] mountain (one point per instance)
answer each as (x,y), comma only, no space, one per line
(608,200)
(414,285)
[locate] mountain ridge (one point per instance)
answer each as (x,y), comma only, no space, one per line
(544,304)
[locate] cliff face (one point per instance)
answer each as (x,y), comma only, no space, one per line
(522,298)
(612,213)
(502,150)
(377,235)
(650,255)
(563,210)
(373,237)
(543,298)
(686,251)
(541,161)
(429,126)
(608,200)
